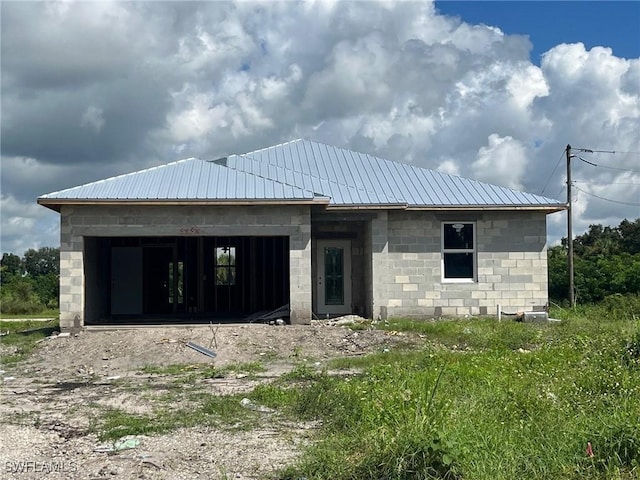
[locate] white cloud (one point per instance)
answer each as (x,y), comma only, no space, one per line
(26,225)
(449,166)
(502,161)
(112,87)
(526,84)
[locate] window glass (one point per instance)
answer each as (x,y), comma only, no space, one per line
(225,265)
(458,251)
(458,265)
(458,235)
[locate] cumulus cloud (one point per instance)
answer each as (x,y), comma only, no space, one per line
(26,225)
(90,90)
(502,161)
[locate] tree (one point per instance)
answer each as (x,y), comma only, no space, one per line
(598,240)
(557,269)
(606,262)
(10,265)
(630,236)
(43,261)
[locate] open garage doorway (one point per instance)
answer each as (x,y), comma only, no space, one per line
(184,279)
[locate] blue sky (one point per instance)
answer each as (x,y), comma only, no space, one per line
(548,23)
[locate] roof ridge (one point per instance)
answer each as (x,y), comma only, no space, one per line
(361,188)
(270,147)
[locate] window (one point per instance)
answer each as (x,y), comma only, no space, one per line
(176,283)
(225,265)
(458,252)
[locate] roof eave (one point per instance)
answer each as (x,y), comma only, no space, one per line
(56,203)
(372,206)
(404,206)
(548,208)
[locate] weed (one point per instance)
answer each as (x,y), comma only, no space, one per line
(210,410)
(23,336)
(250,368)
(300,372)
(174,369)
(521,402)
(191,372)
(359,326)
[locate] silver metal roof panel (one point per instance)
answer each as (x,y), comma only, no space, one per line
(191,179)
(379,181)
(304,170)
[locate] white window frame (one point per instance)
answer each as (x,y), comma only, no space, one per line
(473,252)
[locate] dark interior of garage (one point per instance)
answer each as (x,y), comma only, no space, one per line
(184,279)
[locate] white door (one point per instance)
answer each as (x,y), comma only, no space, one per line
(333,282)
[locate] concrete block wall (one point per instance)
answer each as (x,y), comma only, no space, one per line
(78,222)
(377,271)
(511,265)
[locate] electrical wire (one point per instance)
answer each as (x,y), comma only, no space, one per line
(607,199)
(600,184)
(588,150)
(605,166)
(552,173)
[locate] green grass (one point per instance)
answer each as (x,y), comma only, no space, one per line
(220,411)
(23,336)
(480,399)
(513,400)
(51,313)
(201,370)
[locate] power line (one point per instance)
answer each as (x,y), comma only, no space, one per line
(605,166)
(552,173)
(608,199)
(605,184)
(588,150)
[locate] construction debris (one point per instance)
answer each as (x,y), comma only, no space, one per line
(265,316)
(341,321)
(250,405)
(125,443)
(202,350)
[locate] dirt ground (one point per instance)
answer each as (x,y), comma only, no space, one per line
(48,400)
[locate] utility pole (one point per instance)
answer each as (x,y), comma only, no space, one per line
(572,299)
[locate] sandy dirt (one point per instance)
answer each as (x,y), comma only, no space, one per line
(49,401)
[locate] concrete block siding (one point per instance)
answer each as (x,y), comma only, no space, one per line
(511,265)
(78,222)
(397,255)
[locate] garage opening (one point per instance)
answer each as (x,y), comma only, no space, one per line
(190,279)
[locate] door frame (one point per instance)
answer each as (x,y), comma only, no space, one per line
(321,307)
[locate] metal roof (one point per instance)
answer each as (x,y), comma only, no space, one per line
(302,170)
(190,179)
(379,180)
